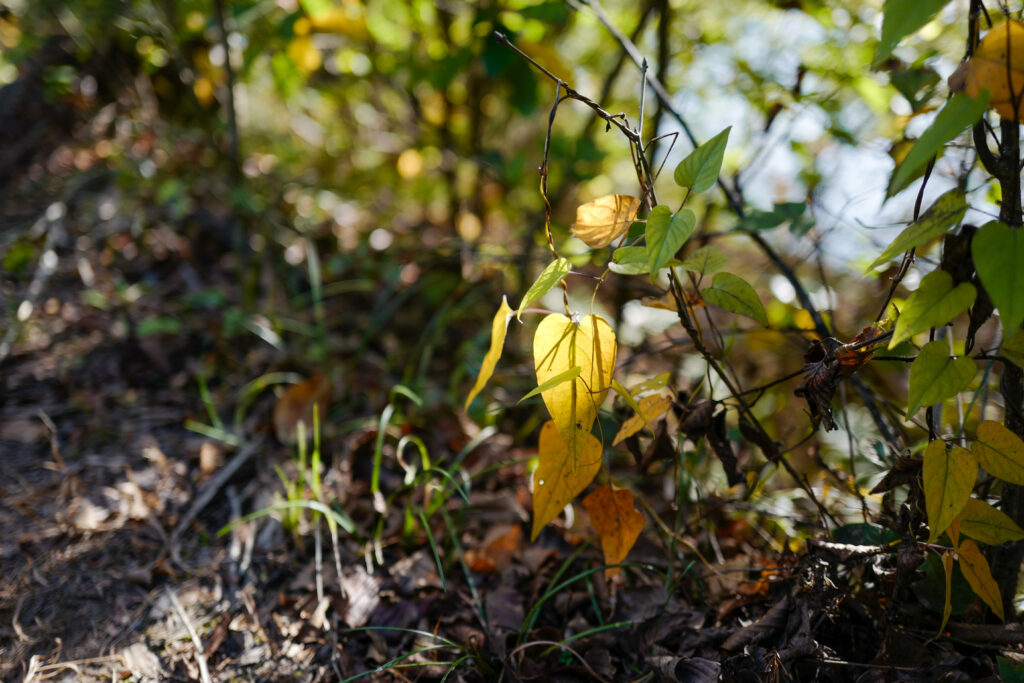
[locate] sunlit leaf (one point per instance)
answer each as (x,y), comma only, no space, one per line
(935,303)
(975,569)
(946,212)
(998,252)
(960,113)
(901,18)
(605,219)
(616,520)
(665,234)
(549,277)
(735,295)
(650,409)
(560,378)
(699,170)
(499,327)
(1000,452)
(556,483)
(629,261)
(934,376)
(560,345)
(949,476)
(705,261)
(987,525)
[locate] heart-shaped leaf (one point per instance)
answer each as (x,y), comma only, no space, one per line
(998,252)
(555,483)
(735,295)
(699,170)
(616,520)
(1000,452)
(559,346)
(935,303)
(934,376)
(949,476)
(987,525)
(705,261)
(605,219)
(665,234)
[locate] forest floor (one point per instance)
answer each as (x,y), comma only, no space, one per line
(138,418)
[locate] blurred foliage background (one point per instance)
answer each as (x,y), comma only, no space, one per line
(353,185)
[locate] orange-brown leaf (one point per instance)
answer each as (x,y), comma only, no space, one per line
(616,520)
(296,405)
(500,545)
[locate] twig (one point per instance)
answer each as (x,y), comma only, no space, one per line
(207,494)
(197,644)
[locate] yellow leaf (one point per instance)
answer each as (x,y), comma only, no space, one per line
(651,408)
(1000,452)
(304,52)
(948,479)
(616,520)
(560,345)
(554,483)
(604,220)
(976,570)
(985,524)
(499,327)
(947,608)
(998,65)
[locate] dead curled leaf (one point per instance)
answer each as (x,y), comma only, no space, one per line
(296,405)
(603,220)
(828,362)
(501,544)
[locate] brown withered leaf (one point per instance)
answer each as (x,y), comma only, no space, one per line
(499,547)
(723,449)
(828,362)
(771,449)
(905,470)
(296,405)
(696,419)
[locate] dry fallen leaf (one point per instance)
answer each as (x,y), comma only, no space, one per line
(296,405)
(616,520)
(500,545)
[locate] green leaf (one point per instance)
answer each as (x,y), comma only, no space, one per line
(1010,671)
(732,293)
(560,378)
(705,261)
(629,261)
(766,220)
(1013,348)
(998,252)
(935,303)
(551,276)
(666,233)
(699,170)
(1000,452)
(934,376)
(985,524)
(948,477)
(903,17)
(960,113)
(940,217)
